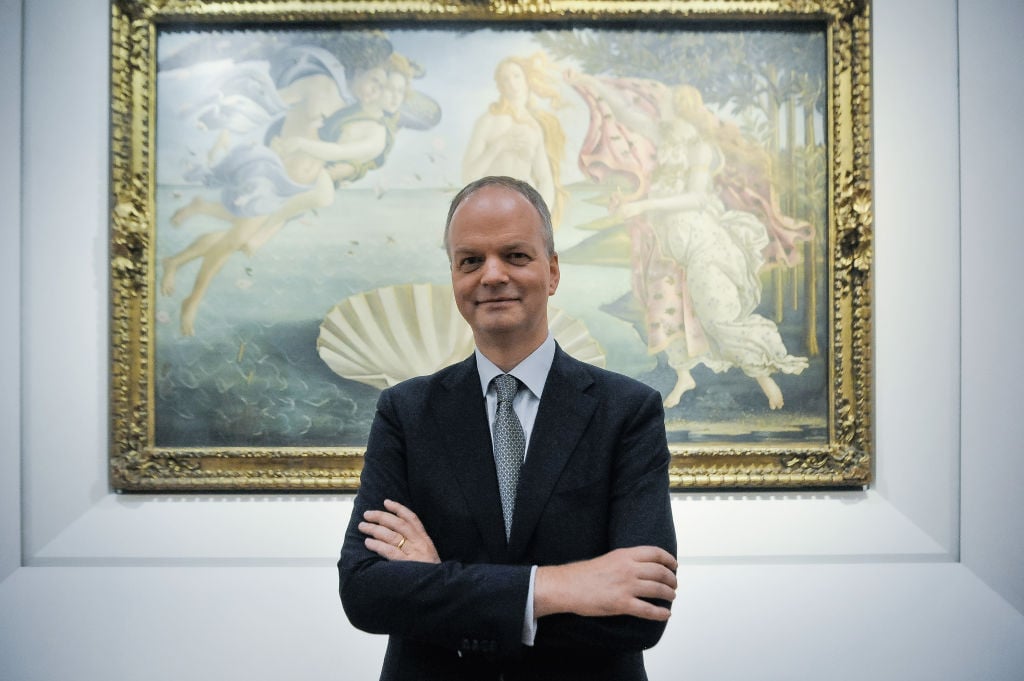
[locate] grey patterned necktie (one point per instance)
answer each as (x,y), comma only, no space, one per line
(509,445)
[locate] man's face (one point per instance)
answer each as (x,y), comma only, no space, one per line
(501,273)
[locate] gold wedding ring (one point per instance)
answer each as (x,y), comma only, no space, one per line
(401,543)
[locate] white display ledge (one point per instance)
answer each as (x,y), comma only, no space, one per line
(240,530)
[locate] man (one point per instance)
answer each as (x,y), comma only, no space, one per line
(557,566)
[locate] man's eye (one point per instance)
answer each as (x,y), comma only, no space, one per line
(518,258)
(470,263)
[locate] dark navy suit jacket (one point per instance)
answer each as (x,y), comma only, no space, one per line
(595,479)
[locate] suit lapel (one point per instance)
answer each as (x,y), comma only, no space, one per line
(461,414)
(561,421)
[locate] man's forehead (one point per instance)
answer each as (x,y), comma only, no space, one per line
(495,217)
(478,241)
(497,198)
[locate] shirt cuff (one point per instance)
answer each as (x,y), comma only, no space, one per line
(529,621)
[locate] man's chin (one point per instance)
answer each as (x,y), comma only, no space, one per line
(505,313)
(498,326)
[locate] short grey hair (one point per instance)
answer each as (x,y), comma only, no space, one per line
(524,189)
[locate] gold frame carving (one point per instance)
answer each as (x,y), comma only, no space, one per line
(137,465)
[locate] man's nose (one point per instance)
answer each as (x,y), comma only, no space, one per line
(494,271)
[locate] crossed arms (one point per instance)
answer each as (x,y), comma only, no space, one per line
(395,580)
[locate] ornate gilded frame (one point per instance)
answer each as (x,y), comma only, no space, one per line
(137,464)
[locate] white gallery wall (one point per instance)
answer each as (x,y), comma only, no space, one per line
(919,577)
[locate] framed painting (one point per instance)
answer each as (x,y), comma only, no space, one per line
(280,174)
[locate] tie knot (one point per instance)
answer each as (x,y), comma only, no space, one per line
(506,385)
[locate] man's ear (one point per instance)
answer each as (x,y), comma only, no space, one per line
(555,275)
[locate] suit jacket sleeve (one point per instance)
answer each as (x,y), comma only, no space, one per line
(475,607)
(639,510)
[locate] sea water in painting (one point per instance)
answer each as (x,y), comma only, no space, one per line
(303,178)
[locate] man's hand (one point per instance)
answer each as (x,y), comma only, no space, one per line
(398,534)
(615,583)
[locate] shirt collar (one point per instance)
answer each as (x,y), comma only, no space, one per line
(531,372)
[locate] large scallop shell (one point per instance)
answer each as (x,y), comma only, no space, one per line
(384,336)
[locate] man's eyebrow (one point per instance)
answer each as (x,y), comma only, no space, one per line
(517,246)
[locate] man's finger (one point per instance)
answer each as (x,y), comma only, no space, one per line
(384,549)
(654,554)
(388,520)
(384,534)
(648,611)
(655,572)
(655,590)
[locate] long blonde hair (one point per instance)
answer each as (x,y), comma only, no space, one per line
(742,155)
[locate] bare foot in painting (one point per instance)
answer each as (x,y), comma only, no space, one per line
(684,384)
(167,281)
(188,316)
(772,391)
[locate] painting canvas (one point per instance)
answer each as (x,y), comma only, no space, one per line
(301,176)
